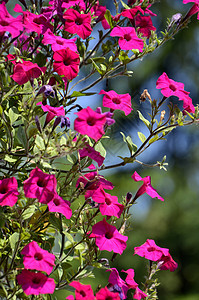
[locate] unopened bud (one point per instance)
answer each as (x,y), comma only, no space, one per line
(145,95)
(163,112)
(38,124)
(128,197)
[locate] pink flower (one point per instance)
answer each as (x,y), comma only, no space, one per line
(145,25)
(52,111)
(170,87)
(93,181)
(97,195)
(105,294)
(58,204)
(8,23)
(26,71)
(40,185)
(82,291)
(108,238)
(90,123)
(92,153)
(66,62)
(193,10)
(35,283)
(111,206)
(8,191)
(77,23)
(166,262)
(139,294)
(151,251)
(117,283)
(117,101)
(35,258)
(70,3)
(131,13)
(130,279)
(57,42)
(146,187)
(128,39)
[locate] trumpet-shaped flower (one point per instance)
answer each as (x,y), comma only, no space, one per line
(117,101)
(66,62)
(77,23)
(92,153)
(52,111)
(151,251)
(170,87)
(108,238)
(92,181)
(58,204)
(9,23)
(8,191)
(35,283)
(105,294)
(139,294)
(40,185)
(90,123)
(35,258)
(145,25)
(146,187)
(117,283)
(25,71)
(82,291)
(128,39)
(111,206)
(57,42)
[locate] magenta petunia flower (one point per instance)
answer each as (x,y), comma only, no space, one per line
(118,283)
(93,181)
(145,25)
(170,87)
(8,23)
(166,262)
(90,123)
(82,291)
(52,111)
(66,62)
(130,279)
(58,204)
(151,251)
(97,195)
(35,283)
(35,258)
(194,9)
(77,23)
(117,101)
(70,3)
(25,71)
(108,238)
(40,185)
(111,206)
(57,42)
(8,191)
(132,12)
(146,187)
(92,153)
(128,39)
(139,294)
(105,294)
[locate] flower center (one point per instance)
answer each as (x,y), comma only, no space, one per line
(108,235)
(82,293)
(56,202)
(36,280)
(4,23)
(91,121)
(41,183)
(172,87)
(3,190)
(116,100)
(78,21)
(38,256)
(127,37)
(59,42)
(66,61)
(108,201)
(150,249)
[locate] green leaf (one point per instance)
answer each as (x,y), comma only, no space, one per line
(124,5)
(108,18)
(22,136)
(39,142)
(153,139)
(79,94)
(97,59)
(96,67)
(13,115)
(28,212)
(100,148)
(127,160)
(13,239)
(142,118)
(132,147)
(10,92)
(55,222)
(141,137)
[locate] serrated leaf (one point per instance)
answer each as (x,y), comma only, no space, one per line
(141,137)
(143,119)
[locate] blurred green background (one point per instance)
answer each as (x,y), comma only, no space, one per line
(173,224)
